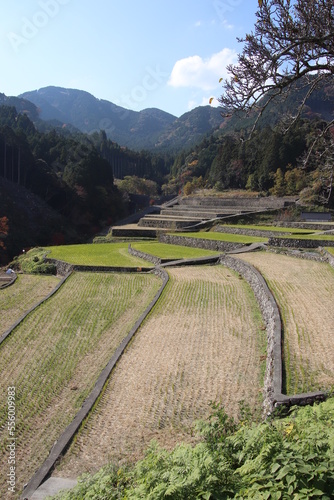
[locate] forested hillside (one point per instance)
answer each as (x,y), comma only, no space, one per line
(68,175)
(268,157)
(151,128)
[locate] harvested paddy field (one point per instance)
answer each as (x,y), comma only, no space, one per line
(204,341)
(55,356)
(304,291)
(18,298)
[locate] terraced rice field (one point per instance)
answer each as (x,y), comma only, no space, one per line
(18,298)
(55,356)
(304,291)
(98,254)
(175,252)
(204,341)
(231,238)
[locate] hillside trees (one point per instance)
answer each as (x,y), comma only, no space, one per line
(3,234)
(292,47)
(291,40)
(226,162)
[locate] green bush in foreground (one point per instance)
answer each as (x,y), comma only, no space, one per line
(289,458)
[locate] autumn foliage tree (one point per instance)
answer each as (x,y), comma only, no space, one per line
(3,234)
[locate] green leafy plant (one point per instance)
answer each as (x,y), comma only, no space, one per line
(283,458)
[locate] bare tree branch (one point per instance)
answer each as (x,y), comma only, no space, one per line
(293,41)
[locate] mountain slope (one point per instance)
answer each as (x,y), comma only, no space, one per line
(88,114)
(147,129)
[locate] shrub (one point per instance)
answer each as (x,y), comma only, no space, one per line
(286,458)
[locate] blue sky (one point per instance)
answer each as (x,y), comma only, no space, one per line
(138,54)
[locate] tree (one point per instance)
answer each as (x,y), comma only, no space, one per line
(292,47)
(3,234)
(293,42)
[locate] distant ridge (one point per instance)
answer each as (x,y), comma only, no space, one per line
(151,128)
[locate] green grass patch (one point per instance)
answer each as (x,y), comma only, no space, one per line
(330,250)
(317,237)
(98,254)
(166,251)
(232,238)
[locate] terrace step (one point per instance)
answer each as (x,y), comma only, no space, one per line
(171,223)
(203,214)
(52,486)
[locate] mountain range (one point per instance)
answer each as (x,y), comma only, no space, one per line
(151,129)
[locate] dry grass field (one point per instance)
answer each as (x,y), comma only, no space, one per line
(203,342)
(17,299)
(54,357)
(304,291)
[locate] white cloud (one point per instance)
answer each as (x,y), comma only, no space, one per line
(194,71)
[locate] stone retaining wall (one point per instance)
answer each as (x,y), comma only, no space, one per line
(327,257)
(296,243)
(133,233)
(64,267)
(143,255)
(265,202)
(270,313)
(249,232)
(273,382)
(166,223)
(8,280)
(304,225)
(215,245)
(301,254)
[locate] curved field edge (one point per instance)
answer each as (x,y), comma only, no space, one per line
(95,254)
(169,251)
(20,297)
(203,341)
(228,237)
(54,357)
(303,290)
